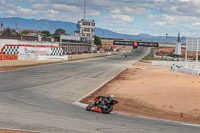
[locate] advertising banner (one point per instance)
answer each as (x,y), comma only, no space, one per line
(135,44)
(123,43)
(35,50)
(148,44)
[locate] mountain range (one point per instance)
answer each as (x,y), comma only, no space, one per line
(44,24)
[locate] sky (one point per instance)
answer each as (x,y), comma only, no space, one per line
(154,17)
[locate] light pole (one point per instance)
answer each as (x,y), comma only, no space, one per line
(16,25)
(84,13)
(1,28)
(166,37)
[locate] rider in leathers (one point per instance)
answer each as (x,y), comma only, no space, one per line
(104,100)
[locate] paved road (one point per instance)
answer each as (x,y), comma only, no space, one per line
(40,99)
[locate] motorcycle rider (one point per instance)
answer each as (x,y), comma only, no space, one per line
(104,100)
(102,104)
(109,98)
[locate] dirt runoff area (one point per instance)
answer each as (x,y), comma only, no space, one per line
(157,93)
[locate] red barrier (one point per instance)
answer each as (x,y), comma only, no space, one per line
(8,57)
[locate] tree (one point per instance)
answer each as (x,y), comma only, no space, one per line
(25,32)
(59,31)
(45,33)
(97,41)
(9,32)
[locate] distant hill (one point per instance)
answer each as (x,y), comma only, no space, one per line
(51,26)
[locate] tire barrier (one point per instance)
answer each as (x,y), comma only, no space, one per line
(8,57)
(184,69)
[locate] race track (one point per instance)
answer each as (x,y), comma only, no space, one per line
(40,99)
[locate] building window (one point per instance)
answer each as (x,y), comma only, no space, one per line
(86,29)
(92,30)
(86,23)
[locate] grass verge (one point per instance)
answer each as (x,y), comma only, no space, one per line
(150,55)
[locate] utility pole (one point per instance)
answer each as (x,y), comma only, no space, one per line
(1,33)
(166,37)
(55,29)
(16,25)
(84,13)
(115,33)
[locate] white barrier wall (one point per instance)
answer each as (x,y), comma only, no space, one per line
(55,58)
(180,63)
(186,69)
(42,57)
(28,57)
(168,58)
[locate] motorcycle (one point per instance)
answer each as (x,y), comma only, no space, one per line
(101,105)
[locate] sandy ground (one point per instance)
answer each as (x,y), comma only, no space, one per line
(142,64)
(10,63)
(11,131)
(158,93)
(6,65)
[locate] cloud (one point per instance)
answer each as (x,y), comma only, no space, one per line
(125,7)
(56,7)
(115,11)
(172,19)
(159,24)
(117,23)
(137,11)
(130,11)
(196,24)
(93,13)
(116,18)
(11,12)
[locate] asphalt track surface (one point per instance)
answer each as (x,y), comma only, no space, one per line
(40,99)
